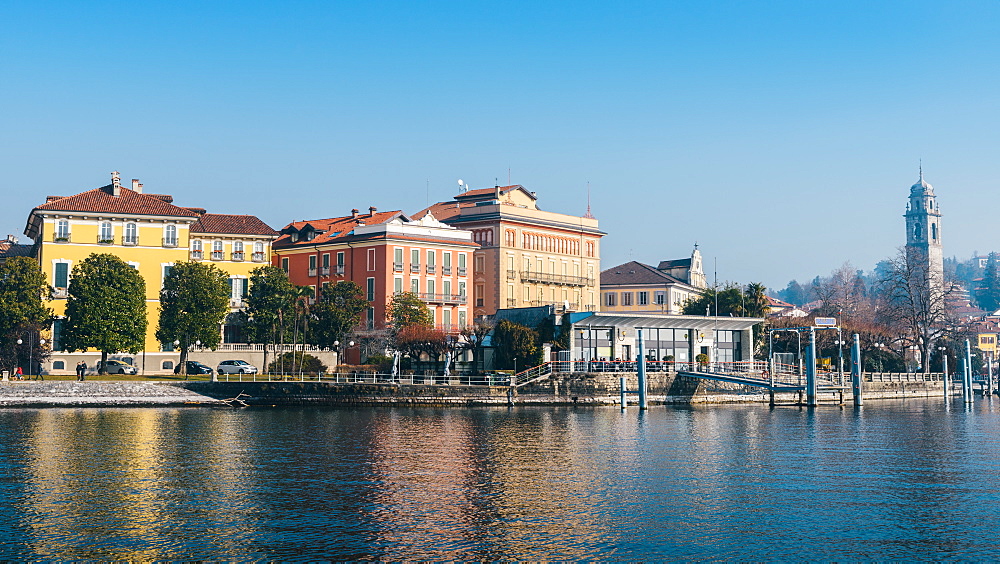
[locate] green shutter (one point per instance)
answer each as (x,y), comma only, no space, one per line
(62,275)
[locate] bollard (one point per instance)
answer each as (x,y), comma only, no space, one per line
(641,374)
(624,402)
(944,369)
(811,369)
(856,371)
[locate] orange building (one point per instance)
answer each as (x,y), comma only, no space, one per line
(384,253)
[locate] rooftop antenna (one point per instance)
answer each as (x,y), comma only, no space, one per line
(588,215)
(427,194)
(508,176)
(921,165)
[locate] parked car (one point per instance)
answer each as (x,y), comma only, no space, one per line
(236,367)
(117,367)
(194,367)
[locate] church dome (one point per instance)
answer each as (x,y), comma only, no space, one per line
(922,186)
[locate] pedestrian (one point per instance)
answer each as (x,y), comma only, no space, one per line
(81,370)
(18,374)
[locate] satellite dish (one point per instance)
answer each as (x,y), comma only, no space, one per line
(461,185)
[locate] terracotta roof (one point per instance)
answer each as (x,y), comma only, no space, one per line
(331,228)
(231,224)
(775,302)
(9,249)
(635,273)
(102,200)
(676,263)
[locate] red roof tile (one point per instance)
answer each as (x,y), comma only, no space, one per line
(102,200)
(231,224)
(332,228)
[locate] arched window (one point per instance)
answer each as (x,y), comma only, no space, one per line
(934,234)
(916,231)
(237,250)
(217,250)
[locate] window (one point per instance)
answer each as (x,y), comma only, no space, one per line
(371,260)
(397,285)
(415,256)
(660,297)
(934,232)
(237,250)
(61,275)
(58,365)
(461,288)
(397,259)
(643,298)
(446,289)
(57,331)
(340,259)
(326,260)
(258,252)
(415,286)
(371,318)
(371,290)
(480,264)
(131,234)
(62,229)
(166,271)
(609,299)
(107,234)
(445,259)
(217,250)
(462,319)
(431,287)
(168,365)
(196,245)
(431,260)
(284,264)
(312,265)
(461,261)
(170,236)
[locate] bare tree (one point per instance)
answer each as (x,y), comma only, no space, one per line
(915,301)
(473,337)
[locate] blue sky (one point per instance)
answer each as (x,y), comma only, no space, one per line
(782,136)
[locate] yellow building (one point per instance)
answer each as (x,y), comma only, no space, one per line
(147,231)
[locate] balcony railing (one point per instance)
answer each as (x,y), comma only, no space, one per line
(511,302)
(324,271)
(431,268)
(453,299)
(59,293)
(446,270)
(236,302)
(312,272)
(218,255)
(105,240)
(559,279)
(130,241)
(61,237)
(511,275)
(170,241)
(340,270)
(257,257)
(414,268)
(397,267)
(197,255)
(461,271)
(236,255)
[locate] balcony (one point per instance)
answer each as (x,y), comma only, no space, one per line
(312,272)
(557,279)
(59,293)
(461,271)
(511,275)
(397,267)
(451,299)
(61,238)
(170,241)
(197,255)
(511,302)
(257,257)
(324,271)
(236,256)
(431,269)
(236,302)
(218,255)
(446,270)
(105,240)
(340,270)
(130,241)
(414,268)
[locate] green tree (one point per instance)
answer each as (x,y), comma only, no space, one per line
(106,307)
(406,309)
(194,302)
(270,305)
(989,294)
(337,313)
(730,302)
(22,310)
(512,340)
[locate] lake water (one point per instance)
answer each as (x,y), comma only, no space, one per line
(895,480)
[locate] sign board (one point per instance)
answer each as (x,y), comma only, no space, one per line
(825,322)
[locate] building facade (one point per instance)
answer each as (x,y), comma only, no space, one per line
(384,253)
(148,232)
(635,287)
(526,257)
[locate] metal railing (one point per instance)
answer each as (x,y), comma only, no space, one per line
(311,273)
(197,255)
(130,241)
(324,271)
(461,271)
(446,270)
(397,267)
(340,270)
(562,279)
(105,240)
(431,268)
(414,268)
(218,255)
(236,256)
(170,241)
(377,378)
(442,298)
(62,237)
(257,257)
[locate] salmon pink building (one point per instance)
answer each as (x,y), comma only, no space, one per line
(384,253)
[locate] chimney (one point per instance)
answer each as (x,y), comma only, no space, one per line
(116,184)
(372,210)
(354,213)
(136,186)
